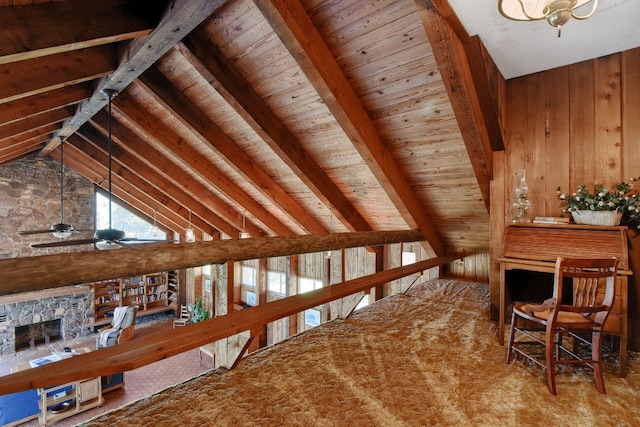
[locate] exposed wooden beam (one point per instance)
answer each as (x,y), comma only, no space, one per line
(181,17)
(130,169)
(189,115)
(147,154)
(451,56)
(38,121)
(294,27)
(43,102)
(192,159)
(161,345)
(50,271)
(36,30)
(483,70)
(30,135)
(129,195)
(34,76)
(210,62)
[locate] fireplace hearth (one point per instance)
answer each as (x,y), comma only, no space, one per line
(29,336)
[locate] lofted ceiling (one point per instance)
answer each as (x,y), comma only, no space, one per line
(274,117)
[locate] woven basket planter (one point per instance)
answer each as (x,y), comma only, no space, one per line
(597,217)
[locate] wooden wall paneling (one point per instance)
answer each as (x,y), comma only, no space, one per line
(608,124)
(557,134)
(581,126)
(516,130)
(630,87)
(535,148)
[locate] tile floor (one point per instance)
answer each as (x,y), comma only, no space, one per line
(138,383)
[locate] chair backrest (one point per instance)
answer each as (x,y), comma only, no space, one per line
(593,284)
(129,317)
(184,312)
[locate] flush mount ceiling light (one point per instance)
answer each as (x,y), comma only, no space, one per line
(556,12)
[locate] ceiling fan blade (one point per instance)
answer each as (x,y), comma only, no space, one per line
(64,243)
(28,232)
(142,240)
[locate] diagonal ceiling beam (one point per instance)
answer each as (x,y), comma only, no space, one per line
(189,115)
(43,102)
(181,17)
(451,44)
(176,146)
(210,62)
(33,31)
(298,33)
(133,170)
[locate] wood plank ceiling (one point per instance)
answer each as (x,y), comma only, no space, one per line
(282,117)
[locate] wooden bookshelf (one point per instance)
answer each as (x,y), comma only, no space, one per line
(152,293)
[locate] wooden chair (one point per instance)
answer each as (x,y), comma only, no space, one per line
(545,325)
(184,319)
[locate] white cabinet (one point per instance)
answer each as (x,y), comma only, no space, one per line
(62,401)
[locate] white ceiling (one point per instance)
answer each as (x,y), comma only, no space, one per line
(521,48)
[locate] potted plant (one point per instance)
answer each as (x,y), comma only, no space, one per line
(198,313)
(605,205)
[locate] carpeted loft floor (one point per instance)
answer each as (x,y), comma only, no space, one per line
(427,358)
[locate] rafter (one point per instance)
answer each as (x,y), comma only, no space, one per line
(210,62)
(181,17)
(32,31)
(149,155)
(193,160)
(294,27)
(159,88)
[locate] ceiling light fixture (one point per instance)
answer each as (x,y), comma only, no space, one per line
(189,235)
(556,12)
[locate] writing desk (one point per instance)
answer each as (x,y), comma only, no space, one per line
(535,247)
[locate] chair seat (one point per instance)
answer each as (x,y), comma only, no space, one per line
(576,320)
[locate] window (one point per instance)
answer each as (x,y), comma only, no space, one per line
(363,302)
(277,282)
(408,258)
(248,276)
(123,219)
(306,284)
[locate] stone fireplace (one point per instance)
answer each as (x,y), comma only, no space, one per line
(41,318)
(28,336)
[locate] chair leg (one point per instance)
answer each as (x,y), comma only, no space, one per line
(511,336)
(596,342)
(550,359)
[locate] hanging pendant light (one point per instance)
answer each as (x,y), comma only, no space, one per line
(62,230)
(243,233)
(189,235)
(556,12)
(154,230)
(108,238)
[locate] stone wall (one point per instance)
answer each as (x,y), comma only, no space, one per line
(75,310)
(30,200)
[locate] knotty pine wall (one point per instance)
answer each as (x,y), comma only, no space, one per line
(572,125)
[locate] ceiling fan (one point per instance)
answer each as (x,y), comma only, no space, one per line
(60,230)
(108,238)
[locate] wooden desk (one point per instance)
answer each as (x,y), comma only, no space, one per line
(535,247)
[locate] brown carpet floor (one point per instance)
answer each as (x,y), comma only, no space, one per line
(426,358)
